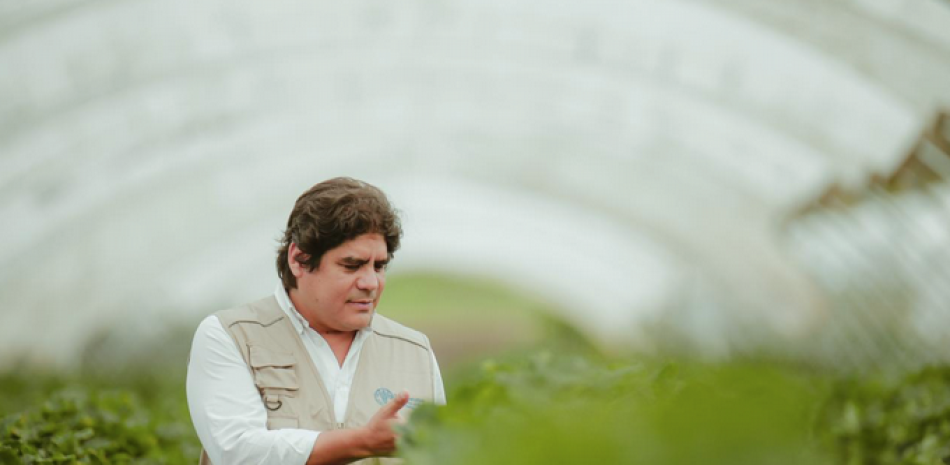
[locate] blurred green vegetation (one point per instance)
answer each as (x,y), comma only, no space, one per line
(547,398)
(133,416)
(430,299)
(889,419)
(552,409)
(467,318)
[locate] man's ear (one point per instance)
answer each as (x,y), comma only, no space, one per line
(296,267)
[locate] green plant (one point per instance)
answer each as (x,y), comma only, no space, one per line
(551,409)
(87,425)
(891,420)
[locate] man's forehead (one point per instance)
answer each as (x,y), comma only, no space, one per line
(365,247)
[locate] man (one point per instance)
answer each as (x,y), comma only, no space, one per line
(312,374)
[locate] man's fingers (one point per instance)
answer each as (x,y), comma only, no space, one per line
(400,401)
(394,405)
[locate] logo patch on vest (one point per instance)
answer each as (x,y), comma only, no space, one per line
(384,395)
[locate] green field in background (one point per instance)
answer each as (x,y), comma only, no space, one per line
(543,396)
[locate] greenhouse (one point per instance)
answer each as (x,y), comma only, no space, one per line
(640,232)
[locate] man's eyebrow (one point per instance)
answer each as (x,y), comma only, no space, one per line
(360,261)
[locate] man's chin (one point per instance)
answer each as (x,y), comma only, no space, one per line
(362,320)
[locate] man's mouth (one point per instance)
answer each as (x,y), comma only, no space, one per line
(362,303)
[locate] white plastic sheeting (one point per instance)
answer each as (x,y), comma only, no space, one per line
(624,160)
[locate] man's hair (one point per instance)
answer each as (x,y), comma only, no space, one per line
(331,213)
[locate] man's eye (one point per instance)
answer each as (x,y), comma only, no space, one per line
(352,267)
(381,266)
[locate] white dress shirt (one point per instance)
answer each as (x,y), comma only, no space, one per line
(226,407)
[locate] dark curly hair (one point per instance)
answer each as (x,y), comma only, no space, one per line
(331,213)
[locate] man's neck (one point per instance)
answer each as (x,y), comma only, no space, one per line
(340,343)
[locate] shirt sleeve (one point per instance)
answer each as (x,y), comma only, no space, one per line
(226,408)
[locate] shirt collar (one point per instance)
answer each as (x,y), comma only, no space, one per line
(300,323)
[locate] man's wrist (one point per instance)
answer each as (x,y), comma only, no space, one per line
(340,446)
(360,442)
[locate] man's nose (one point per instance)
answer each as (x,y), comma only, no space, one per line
(367,281)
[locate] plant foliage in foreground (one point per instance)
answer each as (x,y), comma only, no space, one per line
(83,424)
(553,410)
(890,421)
(539,409)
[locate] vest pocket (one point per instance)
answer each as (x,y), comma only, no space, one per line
(275,375)
(273,370)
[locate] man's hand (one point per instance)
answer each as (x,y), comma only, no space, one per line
(375,439)
(380,437)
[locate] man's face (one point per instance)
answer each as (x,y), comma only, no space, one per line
(342,293)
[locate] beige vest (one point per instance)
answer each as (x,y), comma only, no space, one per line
(393,358)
